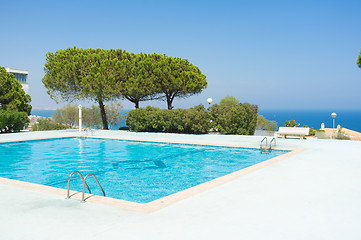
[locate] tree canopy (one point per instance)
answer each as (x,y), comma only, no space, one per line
(358,61)
(106,75)
(176,77)
(156,76)
(138,82)
(12,95)
(76,73)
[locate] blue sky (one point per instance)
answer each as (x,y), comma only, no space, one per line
(276,54)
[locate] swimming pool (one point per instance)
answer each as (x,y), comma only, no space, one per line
(129,170)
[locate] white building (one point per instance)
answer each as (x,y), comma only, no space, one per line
(21,76)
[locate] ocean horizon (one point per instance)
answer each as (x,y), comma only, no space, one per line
(350,119)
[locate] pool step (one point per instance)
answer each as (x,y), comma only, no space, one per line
(84,184)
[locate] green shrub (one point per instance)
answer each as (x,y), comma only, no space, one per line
(150,119)
(69,115)
(320,134)
(229,117)
(264,124)
(340,135)
(234,118)
(195,119)
(13,121)
(45,124)
(291,123)
(228,101)
(312,131)
(139,120)
(12,95)
(92,117)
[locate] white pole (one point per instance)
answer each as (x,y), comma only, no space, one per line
(333,115)
(80,118)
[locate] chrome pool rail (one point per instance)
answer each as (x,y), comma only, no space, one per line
(267,147)
(260,146)
(270,143)
(84,183)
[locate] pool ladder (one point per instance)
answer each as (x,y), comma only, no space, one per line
(270,143)
(84,184)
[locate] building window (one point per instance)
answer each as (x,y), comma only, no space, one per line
(22,78)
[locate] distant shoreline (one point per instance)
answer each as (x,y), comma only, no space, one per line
(350,119)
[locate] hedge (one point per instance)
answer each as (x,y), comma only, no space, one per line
(194,120)
(13,121)
(239,119)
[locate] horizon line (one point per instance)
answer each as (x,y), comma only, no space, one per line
(267,109)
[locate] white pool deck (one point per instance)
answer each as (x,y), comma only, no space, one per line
(315,194)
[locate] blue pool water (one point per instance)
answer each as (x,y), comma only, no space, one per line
(129,170)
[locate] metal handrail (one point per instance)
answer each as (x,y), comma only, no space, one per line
(270,143)
(265,138)
(81,176)
(84,183)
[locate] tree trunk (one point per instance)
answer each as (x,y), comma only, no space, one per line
(169,102)
(103,114)
(170,98)
(133,100)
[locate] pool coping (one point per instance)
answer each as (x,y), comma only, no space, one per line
(159,203)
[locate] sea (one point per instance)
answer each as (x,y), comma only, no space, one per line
(350,119)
